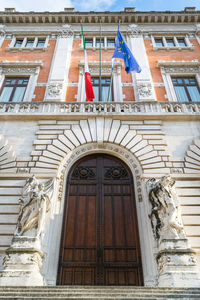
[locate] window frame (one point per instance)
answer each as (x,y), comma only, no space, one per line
(29,69)
(156,41)
(39,40)
(168,43)
(102,84)
(91,42)
(94,45)
(25,40)
(29,40)
(177,46)
(110,38)
(185,86)
(17,41)
(171,69)
(14,86)
(106,72)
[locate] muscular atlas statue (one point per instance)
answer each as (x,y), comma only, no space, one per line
(165,210)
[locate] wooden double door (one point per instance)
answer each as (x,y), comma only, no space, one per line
(100,244)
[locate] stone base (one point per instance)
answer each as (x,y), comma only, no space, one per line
(179,279)
(22,263)
(177,264)
(21,278)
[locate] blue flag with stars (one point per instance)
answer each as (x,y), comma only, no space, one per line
(123,51)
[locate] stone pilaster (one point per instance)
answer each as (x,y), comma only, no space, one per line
(144,90)
(57,83)
(2,34)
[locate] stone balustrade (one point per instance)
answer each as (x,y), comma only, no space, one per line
(93,108)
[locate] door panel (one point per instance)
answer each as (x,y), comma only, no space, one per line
(100,244)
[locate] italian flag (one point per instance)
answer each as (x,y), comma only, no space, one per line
(88,83)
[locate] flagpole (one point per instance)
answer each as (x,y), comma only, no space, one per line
(111,75)
(100,65)
(111,79)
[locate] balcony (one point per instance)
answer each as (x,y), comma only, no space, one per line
(69,110)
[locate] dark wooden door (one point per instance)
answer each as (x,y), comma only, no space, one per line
(100,244)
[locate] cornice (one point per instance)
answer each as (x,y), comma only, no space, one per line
(103,63)
(194,63)
(167,17)
(20,64)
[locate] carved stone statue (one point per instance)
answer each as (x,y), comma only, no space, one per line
(34,205)
(165,214)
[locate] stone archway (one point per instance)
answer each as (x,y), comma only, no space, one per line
(100,239)
(149,265)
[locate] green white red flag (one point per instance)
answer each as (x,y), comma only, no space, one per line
(88,83)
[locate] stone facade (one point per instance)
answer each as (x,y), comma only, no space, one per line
(145,126)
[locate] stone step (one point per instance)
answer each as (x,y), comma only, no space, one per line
(96,292)
(141,297)
(98,288)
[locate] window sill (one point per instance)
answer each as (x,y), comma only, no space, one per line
(191,48)
(26,49)
(97,48)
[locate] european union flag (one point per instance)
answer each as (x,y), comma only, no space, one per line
(123,51)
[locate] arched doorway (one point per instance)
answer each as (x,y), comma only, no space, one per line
(100,242)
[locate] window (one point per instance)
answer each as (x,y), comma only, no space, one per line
(18,43)
(89,43)
(159,42)
(40,43)
(26,43)
(13,89)
(186,89)
(111,43)
(98,42)
(29,43)
(170,42)
(105,87)
(94,42)
(181,42)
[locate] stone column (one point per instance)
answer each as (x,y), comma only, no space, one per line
(58,78)
(144,90)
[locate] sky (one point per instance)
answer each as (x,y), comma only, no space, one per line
(99,5)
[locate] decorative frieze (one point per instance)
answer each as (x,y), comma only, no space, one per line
(90,17)
(179,66)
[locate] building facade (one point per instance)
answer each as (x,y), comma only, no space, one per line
(104,192)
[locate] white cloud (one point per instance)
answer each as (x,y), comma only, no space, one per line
(57,5)
(36,5)
(93,5)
